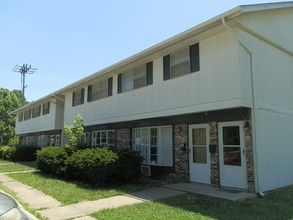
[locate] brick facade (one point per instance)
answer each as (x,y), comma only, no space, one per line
(181,155)
(249,159)
(214,156)
(123,138)
(181,152)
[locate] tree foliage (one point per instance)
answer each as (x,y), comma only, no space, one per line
(75,131)
(9,101)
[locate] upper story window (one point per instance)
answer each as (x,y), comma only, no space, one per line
(36,111)
(46,108)
(136,78)
(182,62)
(27,114)
(78,97)
(20,117)
(100,90)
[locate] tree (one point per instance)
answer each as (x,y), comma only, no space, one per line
(75,131)
(9,101)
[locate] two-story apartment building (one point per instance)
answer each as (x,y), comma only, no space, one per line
(210,105)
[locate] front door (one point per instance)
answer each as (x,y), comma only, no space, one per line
(232,155)
(199,156)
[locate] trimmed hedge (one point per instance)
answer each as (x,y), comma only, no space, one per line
(7,152)
(127,167)
(52,159)
(92,165)
(19,153)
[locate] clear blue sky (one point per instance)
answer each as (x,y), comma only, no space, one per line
(71,39)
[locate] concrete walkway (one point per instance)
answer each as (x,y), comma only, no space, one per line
(50,208)
(203,189)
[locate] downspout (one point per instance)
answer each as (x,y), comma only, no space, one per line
(253,101)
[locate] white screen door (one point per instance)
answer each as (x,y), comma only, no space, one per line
(199,156)
(232,155)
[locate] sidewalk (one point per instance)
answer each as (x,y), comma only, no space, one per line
(50,208)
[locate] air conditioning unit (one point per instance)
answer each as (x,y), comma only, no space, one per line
(145,170)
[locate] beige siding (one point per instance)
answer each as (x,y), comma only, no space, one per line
(215,86)
(245,70)
(275,25)
(51,121)
(273,80)
(274,149)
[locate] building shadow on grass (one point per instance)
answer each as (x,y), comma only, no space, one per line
(277,205)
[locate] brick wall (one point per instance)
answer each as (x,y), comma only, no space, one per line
(214,156)
(181,160)
(123,138)
(249,159)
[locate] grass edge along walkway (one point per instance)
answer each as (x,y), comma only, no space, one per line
(52,209)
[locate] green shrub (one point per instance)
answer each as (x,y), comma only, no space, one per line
(127,167)
(7,152)
(52,159)
(93,165)
(18,153)
(25,153)
(14,141)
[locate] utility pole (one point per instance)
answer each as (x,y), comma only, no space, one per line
(23,70)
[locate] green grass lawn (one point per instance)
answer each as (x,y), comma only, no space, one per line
(8,166)
(69,192)
(276,205)
(4,161)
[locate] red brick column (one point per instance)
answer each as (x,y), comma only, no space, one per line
(181,155)
(249,159)
(123,138)
(214,157)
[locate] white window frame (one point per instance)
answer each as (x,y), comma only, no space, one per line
(140,145)
(99,90)
(36,111)
(78,97)
(105,143)
(27,114)
(176,61)
(46,108)
(130,78)
(20,117)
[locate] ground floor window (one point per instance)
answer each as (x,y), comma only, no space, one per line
(103,138)
(154,145)
(86,139)
(41,141)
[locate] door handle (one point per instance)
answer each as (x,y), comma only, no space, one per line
(243,151)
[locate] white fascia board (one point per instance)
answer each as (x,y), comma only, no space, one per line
(265,6)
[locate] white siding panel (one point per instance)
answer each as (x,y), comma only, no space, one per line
(272,68)
(245,69)
(275,25)
(274,149)
(273,77)
(51,121)
(59,119)
(215,86)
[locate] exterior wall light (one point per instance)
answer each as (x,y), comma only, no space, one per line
(247,126)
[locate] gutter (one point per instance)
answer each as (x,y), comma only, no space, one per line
(253,100)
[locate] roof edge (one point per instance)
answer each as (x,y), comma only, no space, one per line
(234,12)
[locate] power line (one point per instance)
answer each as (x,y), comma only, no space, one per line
(23,70)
